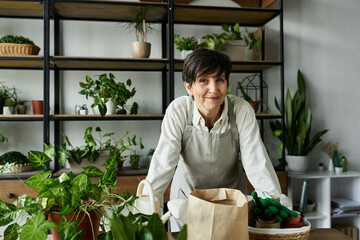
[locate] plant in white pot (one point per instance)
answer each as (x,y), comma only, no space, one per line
(298,142)
(107,93)
(231,41)
(185,45)
(140,48)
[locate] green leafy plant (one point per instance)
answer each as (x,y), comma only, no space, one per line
(15,39)
(94,146)
(139,25)
(13,157)
(243,92)
(297,123)
(67,194)
(105,89)
(9,102)
(230,32)
(70,194)
(185,43)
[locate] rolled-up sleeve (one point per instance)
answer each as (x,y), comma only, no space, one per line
(255,160)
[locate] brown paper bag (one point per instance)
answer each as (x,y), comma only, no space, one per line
(217,214)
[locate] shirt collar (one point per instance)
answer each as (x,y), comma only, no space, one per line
(197,118)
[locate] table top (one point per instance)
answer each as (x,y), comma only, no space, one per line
(328,234)
(317,234)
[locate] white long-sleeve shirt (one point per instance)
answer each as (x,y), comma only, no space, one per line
(255,160)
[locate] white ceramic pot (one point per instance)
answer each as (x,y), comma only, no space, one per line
(111,108)
(297,163)
(8,110)
(140,49)
(235,49)
(184,53)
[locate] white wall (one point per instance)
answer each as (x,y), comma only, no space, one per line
(320,39)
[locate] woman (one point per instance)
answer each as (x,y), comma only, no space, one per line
(202,135)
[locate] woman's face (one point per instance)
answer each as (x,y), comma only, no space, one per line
(209,92)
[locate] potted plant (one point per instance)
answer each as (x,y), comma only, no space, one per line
(74,198)
(231,41)
(21,162)
(105,146)
(17,45)
(5,93)
(254,104)
(9,107)
(140,48)
(108,94)
(185,44)
(298,143)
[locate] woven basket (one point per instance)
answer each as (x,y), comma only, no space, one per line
(17,168)
(302,233)
(18,49)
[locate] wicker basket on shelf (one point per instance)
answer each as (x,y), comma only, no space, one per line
(18,49)
(18,168)
(302,233)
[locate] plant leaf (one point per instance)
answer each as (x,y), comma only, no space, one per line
(36,228)
(156,227)
(92,171)
(121,227)
(37,180)
(38,159)
(182,234)
(11,232)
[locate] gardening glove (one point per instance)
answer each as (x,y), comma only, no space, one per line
(266,206)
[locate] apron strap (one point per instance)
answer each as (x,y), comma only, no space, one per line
(232,121)
(191,112)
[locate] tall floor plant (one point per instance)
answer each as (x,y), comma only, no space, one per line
(297,123)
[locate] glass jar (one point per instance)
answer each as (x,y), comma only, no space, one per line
(336,159)
(77,109)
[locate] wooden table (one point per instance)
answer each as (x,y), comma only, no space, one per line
(317,234)
(328,234)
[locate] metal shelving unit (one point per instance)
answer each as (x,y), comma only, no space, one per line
(167,14)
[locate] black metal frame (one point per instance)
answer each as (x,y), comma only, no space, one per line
(168,76)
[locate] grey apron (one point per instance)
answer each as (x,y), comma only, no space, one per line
(208,160)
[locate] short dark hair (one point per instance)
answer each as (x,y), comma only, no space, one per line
(203,61)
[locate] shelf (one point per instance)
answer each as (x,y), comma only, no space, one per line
(107,10)
(28,9)
(218,15)
(22,175)
(314,215)
(239,66)
(267,116)
(95,63)
(323,174)
(21,117)
(345,215)
(22,62)
(65,117)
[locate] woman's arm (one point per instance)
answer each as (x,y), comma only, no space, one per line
(167,153)
(256,162)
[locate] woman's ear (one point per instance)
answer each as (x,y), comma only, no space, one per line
(188,88)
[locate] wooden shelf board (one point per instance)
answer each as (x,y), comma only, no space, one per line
(268,115)
(25,61)
(239,65)
(109,63)
(68,117)
(21,8)
(21,117)
(219,15)
(108,10)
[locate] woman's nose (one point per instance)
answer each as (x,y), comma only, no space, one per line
(212,87)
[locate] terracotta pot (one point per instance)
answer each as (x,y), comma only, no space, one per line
(21,109)
(255,105)
(37,107)
(140,49)
(85,225)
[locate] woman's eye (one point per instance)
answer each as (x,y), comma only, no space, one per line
(220,80)
(202,80)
